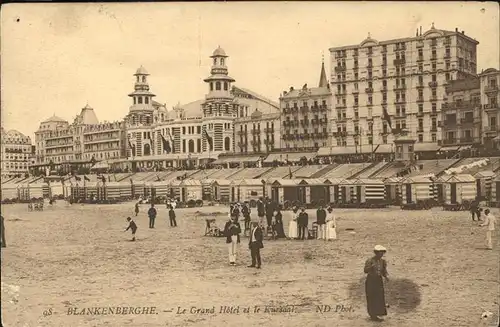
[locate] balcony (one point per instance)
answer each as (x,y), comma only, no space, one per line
(369,90)
(465,121)
(447,42)
(341,119)
(434,129)
(314,122)
(355,91)
(323,121)
(341,93)
(339,69)
(420,58)
(491,129)
(420,86)
(340,134)
(384,50)
(286,111)
(268,130)
(491,88)
(400,115)
(434,113)
(323,107)
(447,56)
(420,44)
(383,88)
(433,84)
(449,142)
(434,57)
(294,110)
(241,132)
(466,140)
(340,106)
(420,129)
(369,104)
(255,131)
(384,102)
(355,54)
(433,98)
(397,62)
(400,101)
(253,142)
(399,87)
(491,107)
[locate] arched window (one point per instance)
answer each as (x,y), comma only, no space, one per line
(138,80)
(222,61)
(215,61)
(191,146)
(146,100)
(147,150)
(225,86)
(144,79)
(227,144)
(217,86)
(211,86)
(139,100)
(135,100)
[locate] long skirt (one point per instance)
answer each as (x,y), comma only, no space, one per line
(331,232)
(280,231)
(375,297)
(292,229)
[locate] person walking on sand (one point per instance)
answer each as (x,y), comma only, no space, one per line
(331,225)
(232,231)
(261,211)
(171,215)
(376,270)
(132,226)
(255,244)
(321,222)
(303,222)
(152,216)
(2,233)
(490,222)
(136,209)
(292,225)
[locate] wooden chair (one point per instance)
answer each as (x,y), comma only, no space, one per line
(210,229)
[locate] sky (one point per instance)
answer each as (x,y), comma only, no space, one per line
(56,58)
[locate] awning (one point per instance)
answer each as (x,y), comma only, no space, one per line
(465,147)
(449,148)
(426,147)
(384,148)
(291,156)
(225,160)
(101,165)
(336,150)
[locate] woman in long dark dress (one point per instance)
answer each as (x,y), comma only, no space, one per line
(280,231)
(376,270)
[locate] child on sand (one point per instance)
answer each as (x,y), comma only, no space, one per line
(132,226)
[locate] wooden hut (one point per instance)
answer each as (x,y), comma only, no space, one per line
(286,190)
(9,191)
(316,191)
(364,190)
(174,186)
(137,189)
(484,181)
(393,188)
(114,190)
(191,189)
(416,188)
(159,188)
(458,188)
(222,190)
(26,192)
(206,185)
(335,189)
(249,190)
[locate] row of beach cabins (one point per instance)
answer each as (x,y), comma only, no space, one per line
(446,189)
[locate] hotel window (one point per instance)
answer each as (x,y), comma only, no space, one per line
(420,108)
(146,100)
(356,76)
(217,86)
(225,86)
(434,78)
(356,86)
(420,93)
(370,100)
(420,138)
(384,72)
(447,76)
(433,137)
(139,100)
(356,100)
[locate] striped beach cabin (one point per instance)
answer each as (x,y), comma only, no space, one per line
(416,188)
(335,189)
(159,188)
(174,186)
(458,188)
(495,191)
(393,189)
(222,190)
(206,185)
(249,190)
(367,190)
(191,189)
(484,181)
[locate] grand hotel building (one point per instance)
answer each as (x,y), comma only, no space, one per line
(229,120)
(407,77)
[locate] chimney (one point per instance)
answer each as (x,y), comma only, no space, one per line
(291,88)
(420,30)
(456,29)
(463,32)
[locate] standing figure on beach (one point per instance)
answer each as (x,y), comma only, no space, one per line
(475,210)
(2,233)
(136,209)
(278,227)
(292,225)
(261,211)
(255,244)
(376,270)
(303,222)
(321,222)
(171,216)
(245,211)
(331,225)
(490,222)
(152,216)
(132,226)
(232,231)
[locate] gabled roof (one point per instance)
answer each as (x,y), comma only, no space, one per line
(313,181)
(255,95)
(365,181)
(335,181)
(253,182)
(222,182)
(417,180)
(190,182)
(484,174)
(393,180)
(54,119)
(285,182)
(458,178)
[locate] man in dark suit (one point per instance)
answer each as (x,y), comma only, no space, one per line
(303,222)
(321,222)
(171,215)
(152,216)
(255,244)
(261,210)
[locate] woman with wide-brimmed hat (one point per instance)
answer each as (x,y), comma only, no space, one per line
(292,225)
(376,270)
(331,225)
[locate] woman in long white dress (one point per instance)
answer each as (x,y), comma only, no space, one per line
(331,225)
(292,225)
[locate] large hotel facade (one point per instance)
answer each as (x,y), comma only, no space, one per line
(406,77)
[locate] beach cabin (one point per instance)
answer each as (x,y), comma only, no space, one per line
(55,188)
(137,189)
(206,185)
(9,191)
(287,190)
(159,188)
(222,190)
(484,181)
(495,192)
(190,189)
(334,184)
(416,188)
(393,187)
(458,188)
(113,190)
(249,190)
(268,182)
(364,190)
(174,186)
(316,191)
(26,192)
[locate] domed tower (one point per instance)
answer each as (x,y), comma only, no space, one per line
(219,108)
(141,110)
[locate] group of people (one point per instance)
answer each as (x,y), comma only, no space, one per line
(152,213)
(489,221)
(298,227)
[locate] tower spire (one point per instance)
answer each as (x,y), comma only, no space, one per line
(323,82)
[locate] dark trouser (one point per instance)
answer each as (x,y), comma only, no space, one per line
(302,232)
(152,222)
(269,220)
(476,213)
(137,212)
(255,252)
(173,223)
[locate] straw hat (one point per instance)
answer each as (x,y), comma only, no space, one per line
(379,248)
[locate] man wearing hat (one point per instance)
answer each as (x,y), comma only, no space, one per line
(490,221)
(376,270)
